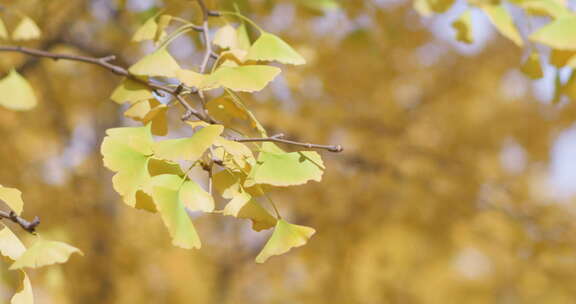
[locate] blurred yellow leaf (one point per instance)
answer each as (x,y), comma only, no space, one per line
(502,20)
(17,93)
(10,244)
(131,91)
(285,237)
(532,67)
(269,47)
(26,29)
(13,198)
(44,252)
(24,294)
(463,27)
(560,34)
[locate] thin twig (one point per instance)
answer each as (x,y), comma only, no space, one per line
(278,138)
(26,225)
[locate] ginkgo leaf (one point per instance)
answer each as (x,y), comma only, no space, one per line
(269,47)
(320,5)
(44,252)
(190,148)
(147,31)
(196,198)
(286,169)
(502,20)
(226,37)
(234,155)
(559,58)
(176,218)
(463,27)
(126,151)
(158,63)
(26,29)
(225,110)
(243,39)
(3,31)
(243,206)
(24,295)
(160,166)
(17,93)
(532,67)
(560,34)
(10,244)
(285,237)
(131,91)
(163,23)
(150,111)
(190,78)
(13,198)
(248,78)
(549,8)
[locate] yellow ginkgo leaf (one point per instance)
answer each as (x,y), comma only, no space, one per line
(196,198)
(532,67)
(44,252)
(502,20)
(163,23)
(560,34)
(158,63)
(131,91)
(150,111)
(147,31)
(3,31)
(13,198)
(10,244)
(243,39)
(226,37)
(17,93)
(190,78)
(26,29)
(248,78)
(244,207)
(269,47)
(190,148)
(285,237)
(24,295)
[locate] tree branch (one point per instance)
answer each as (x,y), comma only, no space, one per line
(26,225)
(278,138)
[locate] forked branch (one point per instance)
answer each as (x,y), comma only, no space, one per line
(26,225)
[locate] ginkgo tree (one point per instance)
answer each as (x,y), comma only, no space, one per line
(151,173)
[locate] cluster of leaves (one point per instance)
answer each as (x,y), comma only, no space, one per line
(41,253)
(552,43)
(148,174)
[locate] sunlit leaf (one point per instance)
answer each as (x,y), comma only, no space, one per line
(549,8)
(163,22)
(158,63)
(286,169)
(243,40)
(160,166)
(24,295)
(13,198)
(248,78)
(559,58)
(320,5)
(502,20)
(285,237)
(463,27)
(233,154)
(226,37)
(44,252)
(560,34)
(147,31)
(131,91)
(190,148)
(26,29)
(175,217)
(17,93)
(150,111)
(243,206)
(532,67)
(269,47)
(196,198)
(10,244)
(190,78)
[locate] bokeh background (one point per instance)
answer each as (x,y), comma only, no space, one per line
(456,184)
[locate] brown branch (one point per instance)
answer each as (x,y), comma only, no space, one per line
(104,62)
(26,225)
(279,138)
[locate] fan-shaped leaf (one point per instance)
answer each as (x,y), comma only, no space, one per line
(248,78)
(13,198)
(502,20)
(3,31)
(17,94)
(196,198)
(285,237)
(243,206)
(131,91)
(559,34)
(24,294)
(190,148)
(158,63)
(44,252)
(147,31)
(26,29)
(226,37)
(10,244)
(269,47)
(150,111)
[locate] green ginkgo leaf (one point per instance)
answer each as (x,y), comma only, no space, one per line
(126,151)
(247,78)
(502,20)
(176,218)
(10,244)
(190,148)
(285,237)
(26,29)
(463,27)
(158,63)
(3,31)
(44,252)
(17,93)
(286,169)
(196,198)
(243,39)
(24,295)
(13,198)
(269,47)
(131,91)
(243,206)
(560,34)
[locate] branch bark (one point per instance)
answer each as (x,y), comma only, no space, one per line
(279,138)
(26,225)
